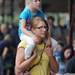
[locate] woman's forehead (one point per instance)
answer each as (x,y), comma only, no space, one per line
(36,19)
(38,22)
(41,23)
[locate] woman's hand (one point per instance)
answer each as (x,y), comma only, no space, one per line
(53,63)
(49,51)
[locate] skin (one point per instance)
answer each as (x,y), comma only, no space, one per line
(67,53)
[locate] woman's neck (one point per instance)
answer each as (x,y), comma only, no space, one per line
(40,40)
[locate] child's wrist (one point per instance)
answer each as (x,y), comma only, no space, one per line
(32,35)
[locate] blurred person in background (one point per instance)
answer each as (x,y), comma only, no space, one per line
(67,54)
(73,44)
(7,49)
(58,55)
(14,33)
(54,29)
(3,45)
(58,32)
(70,66)
(58,52)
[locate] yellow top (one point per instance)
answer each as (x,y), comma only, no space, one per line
(40,65)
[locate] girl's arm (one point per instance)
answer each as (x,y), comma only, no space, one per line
(26,32)
(23,28)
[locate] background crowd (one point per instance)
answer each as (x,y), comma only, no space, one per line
(63,51)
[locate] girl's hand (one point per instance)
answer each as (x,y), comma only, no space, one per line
(36,39)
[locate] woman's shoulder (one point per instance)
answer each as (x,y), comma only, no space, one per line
(22,44)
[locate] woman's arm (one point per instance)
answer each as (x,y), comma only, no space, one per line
(53,63)
(22,64)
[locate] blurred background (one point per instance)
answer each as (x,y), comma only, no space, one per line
(62,14)
(9,9)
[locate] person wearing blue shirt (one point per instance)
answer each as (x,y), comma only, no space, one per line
(31,10)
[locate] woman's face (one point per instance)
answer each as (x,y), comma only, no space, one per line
(40,29)
(67,53)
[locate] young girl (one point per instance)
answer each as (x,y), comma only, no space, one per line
(31,9)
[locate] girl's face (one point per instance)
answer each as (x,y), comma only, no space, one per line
(36,4)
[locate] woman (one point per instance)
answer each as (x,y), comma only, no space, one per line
(42,60)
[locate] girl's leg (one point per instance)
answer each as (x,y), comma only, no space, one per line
(30,45)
